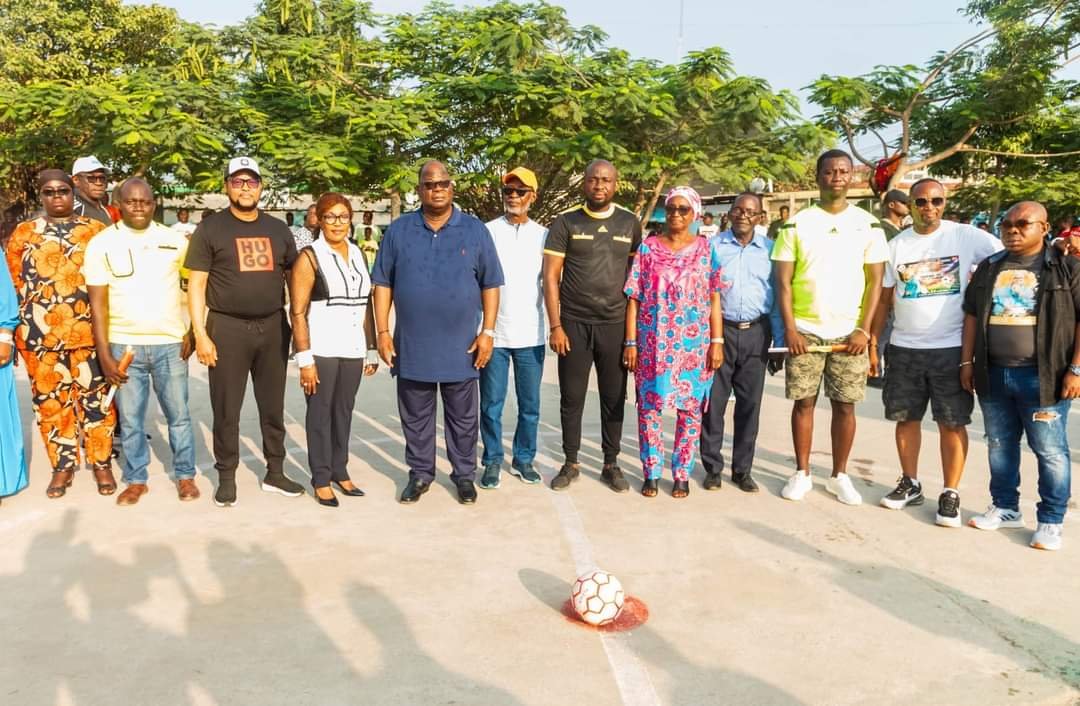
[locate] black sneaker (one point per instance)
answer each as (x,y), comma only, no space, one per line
(613,476)
(567,475)
(225,496)
(490,478)
(907,492)
(525,472)
(948,509)
(278,483)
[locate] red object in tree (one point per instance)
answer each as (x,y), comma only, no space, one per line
(883,173)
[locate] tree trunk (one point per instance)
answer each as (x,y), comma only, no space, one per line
(395,204)
(639,199)
(644,217)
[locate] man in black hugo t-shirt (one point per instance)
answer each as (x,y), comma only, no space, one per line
(1021,355)
(238,259)
(586,256)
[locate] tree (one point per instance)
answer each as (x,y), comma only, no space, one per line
(518,84)
(134,85)
(985,98)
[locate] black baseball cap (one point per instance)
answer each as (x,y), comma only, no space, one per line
(896,195)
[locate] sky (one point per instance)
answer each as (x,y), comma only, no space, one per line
(788,42)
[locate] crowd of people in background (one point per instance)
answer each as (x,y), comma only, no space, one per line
(942,313)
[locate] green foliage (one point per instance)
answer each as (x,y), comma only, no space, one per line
(987,107)
(329,95)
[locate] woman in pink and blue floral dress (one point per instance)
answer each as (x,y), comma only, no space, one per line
(674,338)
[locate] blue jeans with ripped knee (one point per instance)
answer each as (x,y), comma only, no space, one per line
(1010,410)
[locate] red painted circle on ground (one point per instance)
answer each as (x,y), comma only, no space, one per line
(634,613)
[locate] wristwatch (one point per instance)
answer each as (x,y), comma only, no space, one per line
(1074,369)
(489,332)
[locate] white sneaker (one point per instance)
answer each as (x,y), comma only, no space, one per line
(845,492)
(995,518)
(1047,536)
(797,486)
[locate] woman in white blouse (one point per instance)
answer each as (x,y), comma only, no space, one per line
(334,340)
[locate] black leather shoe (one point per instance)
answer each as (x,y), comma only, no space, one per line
(466,491)
(712,481)
(413,491)
(650,487)
(332,502)
(744,482)
(354,493)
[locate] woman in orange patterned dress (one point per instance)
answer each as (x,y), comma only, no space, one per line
(53,337)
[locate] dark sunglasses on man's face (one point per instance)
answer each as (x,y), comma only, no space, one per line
(241,182)
(1021,224)
(54,193)
(96,178)
(937,202)
(513,191)
(681,210)
(440,185)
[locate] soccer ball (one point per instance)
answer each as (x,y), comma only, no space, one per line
(598,597)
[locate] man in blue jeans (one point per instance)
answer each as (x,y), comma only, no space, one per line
(1021,354)
(132,272)
(520,333)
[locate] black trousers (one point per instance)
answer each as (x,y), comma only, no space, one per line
(746,355)
(259,348)
(461,419)
(599,345)
(328,421)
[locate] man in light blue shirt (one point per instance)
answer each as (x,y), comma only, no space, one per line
(751,323)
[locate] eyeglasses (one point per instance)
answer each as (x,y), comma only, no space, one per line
(335,218)
(513,191)
(137,202)
(55,193)
(96,178)
(440,185)
(937,202)
(739,212)
(680,210)
(241,182)
(1020,224)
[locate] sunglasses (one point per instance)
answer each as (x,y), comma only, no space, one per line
(680,210)
(440,185)
(1021,224)
(240,182)
(96,178)
(514,191)
(333,218)
(937,202)
(55,193)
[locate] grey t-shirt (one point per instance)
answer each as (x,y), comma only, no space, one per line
(1011,333)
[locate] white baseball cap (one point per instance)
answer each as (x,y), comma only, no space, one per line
(239,164)
(85,165)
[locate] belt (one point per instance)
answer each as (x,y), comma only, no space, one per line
(743,325)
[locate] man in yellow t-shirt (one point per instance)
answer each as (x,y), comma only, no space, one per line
(828,265)
(132,272)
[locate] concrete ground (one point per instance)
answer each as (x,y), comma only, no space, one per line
(752,599)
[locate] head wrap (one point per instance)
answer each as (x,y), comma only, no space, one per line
(47,175)
(692,197)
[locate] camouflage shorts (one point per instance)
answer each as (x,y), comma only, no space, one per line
(845,375)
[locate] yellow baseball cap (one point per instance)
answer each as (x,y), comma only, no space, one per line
(525,176)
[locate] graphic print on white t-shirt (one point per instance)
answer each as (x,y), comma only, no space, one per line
(933,277)
(929,273)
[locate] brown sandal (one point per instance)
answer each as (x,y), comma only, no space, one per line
(109,486)
(58,491)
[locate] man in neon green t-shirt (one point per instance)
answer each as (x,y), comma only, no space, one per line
(828,265)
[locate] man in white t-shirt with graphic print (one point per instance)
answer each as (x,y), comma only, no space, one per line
(927,272)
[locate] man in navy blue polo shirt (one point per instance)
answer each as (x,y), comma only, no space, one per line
(439,267)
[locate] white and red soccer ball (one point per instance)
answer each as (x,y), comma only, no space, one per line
(598,597)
